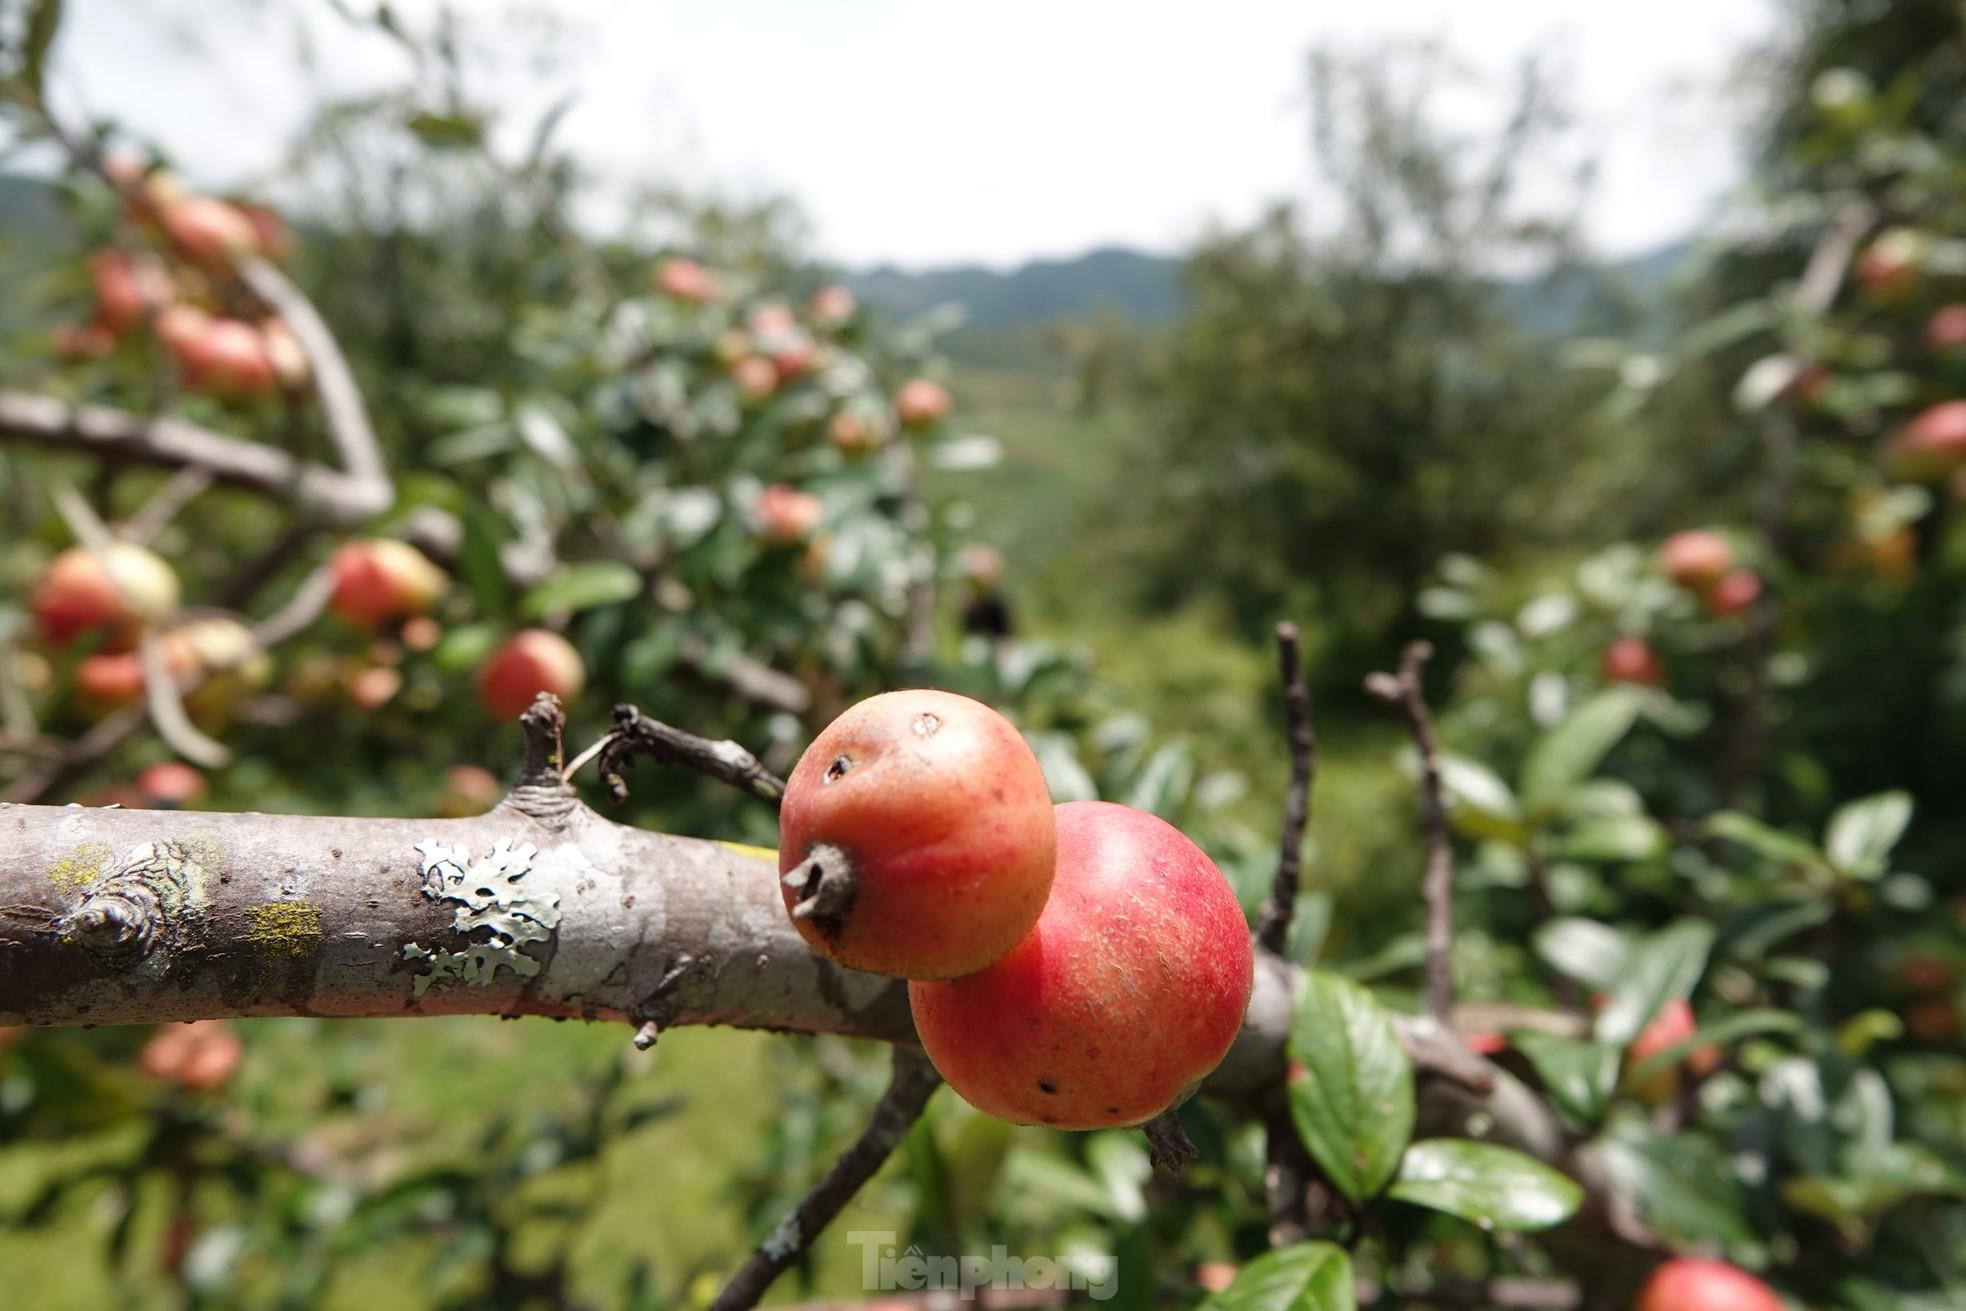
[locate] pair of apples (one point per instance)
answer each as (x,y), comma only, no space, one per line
(1082,966)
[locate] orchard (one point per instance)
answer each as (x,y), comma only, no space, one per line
(542,768)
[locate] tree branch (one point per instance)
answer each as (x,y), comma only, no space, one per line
(635,734)
(914,1081)
(334,383)
(1406,691)
(118,436)
(1274,930)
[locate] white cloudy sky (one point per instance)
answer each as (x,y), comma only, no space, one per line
(942,131)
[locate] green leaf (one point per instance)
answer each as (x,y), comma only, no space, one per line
(1474,786)
(1584,950)
(1579,1076)
(1683,1184)
(1163,782)
(1611,839)
(1353,1103)
(1861,834)
(578,587)
(1879,1181)
(43,21)
(477,559)
(447,131)
(1662,968)
(1745,1024)
(1764,840)
(1488,1186)
(1572,751)
(1301,1277)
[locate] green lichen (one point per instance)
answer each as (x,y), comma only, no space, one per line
(80,867)
(490,895)
(285,928)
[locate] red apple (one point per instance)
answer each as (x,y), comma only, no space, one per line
(1888,267)
(1931,445)
(1631,660)
(787,516)
(198,1057)
(922,403)
(1673,1025)
(468,790)
(1946,329)
(831,306)
(123,589)
(685,279)
(1733,594)
(128,288)
(169,784)
(756,378)
(936,808)
(1695,559)
(854,433)
(227,359)
(528,663)
(380,579)
(1128,991)
(208,231)
(1688,1283)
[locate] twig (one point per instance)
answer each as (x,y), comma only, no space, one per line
(165,701)
(301,609)
(1406,691)
(913,1082)
(635,734)
(1274,930)
(238,590)
(341,399)
(183,487)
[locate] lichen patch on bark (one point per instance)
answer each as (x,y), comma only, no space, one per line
(284,928)
(489,895)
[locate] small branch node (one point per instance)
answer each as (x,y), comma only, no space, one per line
(541,792)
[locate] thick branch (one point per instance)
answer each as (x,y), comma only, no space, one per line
(121,437)
(1275,927)
(913,1083)
(1406,691)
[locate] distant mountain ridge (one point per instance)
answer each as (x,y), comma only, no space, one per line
(1146,288)
(1141,286)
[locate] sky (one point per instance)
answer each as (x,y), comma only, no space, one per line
(925,134)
